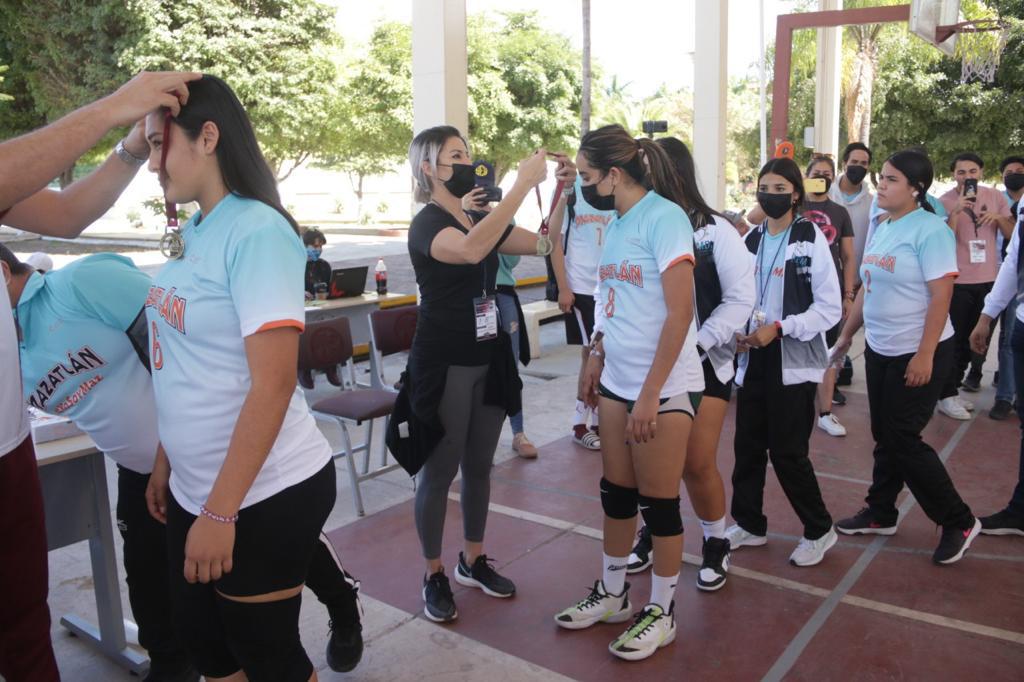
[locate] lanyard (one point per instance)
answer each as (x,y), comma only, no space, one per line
(540,206)
(760,260)
(170,209)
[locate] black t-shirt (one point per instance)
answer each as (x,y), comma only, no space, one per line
(834,222)
(446,329)
(317,271)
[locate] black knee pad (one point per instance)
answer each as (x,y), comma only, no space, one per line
(265,639)
(618,502)
(661,514)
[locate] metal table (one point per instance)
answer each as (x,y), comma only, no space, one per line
(73,476)
(355,308)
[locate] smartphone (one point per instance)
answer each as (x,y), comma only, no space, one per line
(971,188)
(814,185)
(491,194)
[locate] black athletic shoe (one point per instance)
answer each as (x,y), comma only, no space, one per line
(171,671)
(1002,523)
(1001,410)
(483,576)
(438,600)
(837,397)
(954,542)
(865,523)
(345,645)
(971,383)
(715,567)
(643,552)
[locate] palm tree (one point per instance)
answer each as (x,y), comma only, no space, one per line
(585,104)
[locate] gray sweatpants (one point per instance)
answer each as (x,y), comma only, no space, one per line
(471,436)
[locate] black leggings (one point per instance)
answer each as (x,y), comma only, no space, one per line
(274,542)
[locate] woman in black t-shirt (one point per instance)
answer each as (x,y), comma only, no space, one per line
(461,378)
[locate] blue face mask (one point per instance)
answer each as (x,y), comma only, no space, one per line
(313,253)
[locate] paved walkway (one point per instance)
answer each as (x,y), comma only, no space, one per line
(874,609)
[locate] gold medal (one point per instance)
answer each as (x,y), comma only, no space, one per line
(543,245)
(172,245)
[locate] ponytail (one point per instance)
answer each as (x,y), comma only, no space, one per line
(661,173)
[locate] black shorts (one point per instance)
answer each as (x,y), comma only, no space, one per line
(274,538)
(579,323)
(687,403)
(713,388)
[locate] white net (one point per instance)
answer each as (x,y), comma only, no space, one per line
(980,51)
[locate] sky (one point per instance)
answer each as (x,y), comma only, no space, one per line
(650,45)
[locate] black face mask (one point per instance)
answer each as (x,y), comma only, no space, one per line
(1014,182)
(856,174)
(600,202)
(462,181)
(775,205)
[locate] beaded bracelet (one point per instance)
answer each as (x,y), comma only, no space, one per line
(203,511)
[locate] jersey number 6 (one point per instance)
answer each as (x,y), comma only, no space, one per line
(158,352)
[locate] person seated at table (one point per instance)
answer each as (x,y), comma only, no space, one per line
(95,363)
(318,271)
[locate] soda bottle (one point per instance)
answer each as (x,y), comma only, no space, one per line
(380,274)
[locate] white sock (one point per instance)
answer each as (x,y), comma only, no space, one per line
(581,414)
(614,574)
(713,529)
(663,590)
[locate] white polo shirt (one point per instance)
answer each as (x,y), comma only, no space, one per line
(651,237)
(242,273)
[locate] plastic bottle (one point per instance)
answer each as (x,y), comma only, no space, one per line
(380,274)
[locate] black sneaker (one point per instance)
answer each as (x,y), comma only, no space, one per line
(1001,410)
(837,397)
(345,644)
(715,567)
(864,523)
(1002,523)
(482,575)
(971,383)
(954,542)
(643,552)
(438,600)
(170,670)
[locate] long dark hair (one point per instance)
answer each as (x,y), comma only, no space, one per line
(242,166)
(917,168)
(682,161)
(642,159)
(788,169)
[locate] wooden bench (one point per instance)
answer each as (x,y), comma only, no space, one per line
(533,314)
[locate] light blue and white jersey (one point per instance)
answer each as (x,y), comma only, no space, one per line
(77,360)
(242,273)
(651,237)
(900,260)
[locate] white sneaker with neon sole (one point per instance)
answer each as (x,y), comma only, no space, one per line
(652,629)
(597,607)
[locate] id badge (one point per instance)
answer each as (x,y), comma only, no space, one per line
(977,249)
(486,311)
(759,318)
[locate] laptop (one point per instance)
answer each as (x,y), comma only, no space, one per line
(348,282)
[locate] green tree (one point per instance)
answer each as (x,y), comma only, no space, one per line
(277,55)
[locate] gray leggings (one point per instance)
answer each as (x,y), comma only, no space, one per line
(471,436)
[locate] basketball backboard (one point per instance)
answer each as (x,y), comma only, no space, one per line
(927,15)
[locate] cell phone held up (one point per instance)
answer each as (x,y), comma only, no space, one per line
(814,185)
(490,194)
(971,188)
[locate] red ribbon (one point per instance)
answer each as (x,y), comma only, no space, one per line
(170,208)
(540,205)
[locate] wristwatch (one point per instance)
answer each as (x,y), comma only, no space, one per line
(126,156)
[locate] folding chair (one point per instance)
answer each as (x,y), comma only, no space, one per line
(391,331)
(329,342)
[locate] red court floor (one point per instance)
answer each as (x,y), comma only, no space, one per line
(875,608)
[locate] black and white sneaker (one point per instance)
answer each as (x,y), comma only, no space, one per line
(438,600)
(955,542)
(483,576)
(597,607)
(715,567)
(837,397)
(864,523)
(1002,523)
(652,629)
(971,382)
(642,556)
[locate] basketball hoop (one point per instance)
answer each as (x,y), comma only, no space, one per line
(979,45)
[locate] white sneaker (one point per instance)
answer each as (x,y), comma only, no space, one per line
(811,552)
(830,425)
(598,607)
(738,537)
(652,629)
(968,405)
(951,407)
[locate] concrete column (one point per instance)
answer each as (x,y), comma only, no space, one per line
(710,86)
(439,64)
(828,81)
